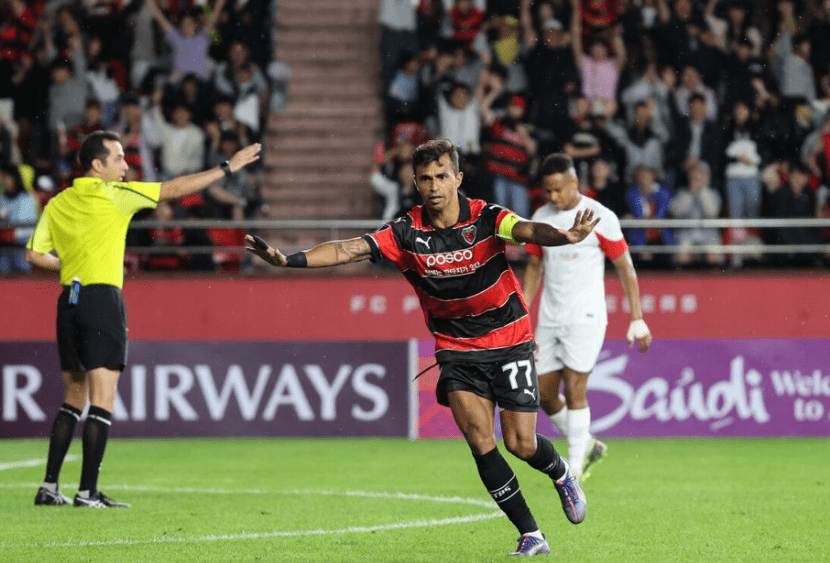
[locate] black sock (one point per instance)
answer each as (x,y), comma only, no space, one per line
(503,486)
(547,459)
(63,429)
(96,434)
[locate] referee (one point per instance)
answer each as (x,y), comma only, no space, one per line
(86,227)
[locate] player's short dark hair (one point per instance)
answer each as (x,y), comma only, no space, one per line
(556,163)
(94,148)
(432,151)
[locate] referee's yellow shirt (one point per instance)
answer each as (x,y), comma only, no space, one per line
(87,224)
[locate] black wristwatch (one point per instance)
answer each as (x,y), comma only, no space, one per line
(226,168)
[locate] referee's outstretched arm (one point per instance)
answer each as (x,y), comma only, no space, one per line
(192,183)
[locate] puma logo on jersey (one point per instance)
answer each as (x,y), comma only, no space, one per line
(529,392)
(422,241)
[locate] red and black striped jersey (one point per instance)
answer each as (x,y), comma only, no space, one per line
(471,299)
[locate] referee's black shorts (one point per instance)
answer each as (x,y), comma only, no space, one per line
(93,333)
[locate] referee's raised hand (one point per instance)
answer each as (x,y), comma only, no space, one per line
(245,156)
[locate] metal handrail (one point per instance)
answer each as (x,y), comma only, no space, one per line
(336,227)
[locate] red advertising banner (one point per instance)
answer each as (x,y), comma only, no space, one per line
(385,308)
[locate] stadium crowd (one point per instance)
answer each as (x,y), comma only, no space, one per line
(185,82)
(670,109)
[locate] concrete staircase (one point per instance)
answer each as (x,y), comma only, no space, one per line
(318,153)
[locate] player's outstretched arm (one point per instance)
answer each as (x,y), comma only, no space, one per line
(330,253)
(192,183)
(547,235)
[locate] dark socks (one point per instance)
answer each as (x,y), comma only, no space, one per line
(503,486)
(63,429)
(96,434)
(546,459)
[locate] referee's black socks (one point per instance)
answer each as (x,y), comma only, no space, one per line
(503,486)
(96,434)
(547,459)
(63,429)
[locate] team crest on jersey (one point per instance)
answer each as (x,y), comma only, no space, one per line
(469,234)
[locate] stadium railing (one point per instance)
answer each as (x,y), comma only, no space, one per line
(346,228)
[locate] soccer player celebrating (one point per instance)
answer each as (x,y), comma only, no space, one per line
(451,250)
(86,226)
(572,314)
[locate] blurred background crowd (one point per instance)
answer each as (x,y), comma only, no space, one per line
(185,82)
(670,109)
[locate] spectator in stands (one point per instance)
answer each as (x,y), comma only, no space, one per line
(190,41)
(224,120)
(697,201)
(238,196)
(647,199)
(642,143)
(17,205)
(459,118)
(69,89)
(599,72)
(603,186)
(404,94)
(398,34)
(647,86)
(691,84)
(743,166)
(587,137)
(745,75)
(102,84)
(791,62)
(247,22)
(735,26)
(552,75)
(510,150)
(182,142)
(391,178)
(243,80)
(504,51)
(670,33)
(197,96)
(696,139)
(93,121)
(819,34)
(467,20)
(138,138)
(794,199)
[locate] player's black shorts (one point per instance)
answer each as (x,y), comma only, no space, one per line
(510,383)
(93,333)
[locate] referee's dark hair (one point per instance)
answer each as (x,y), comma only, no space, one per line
(557,163)
(93,148)
(432,151)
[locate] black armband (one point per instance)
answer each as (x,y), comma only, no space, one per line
(226,168)
(296,260)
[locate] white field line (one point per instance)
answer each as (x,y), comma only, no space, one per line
(275,534)
(32,463)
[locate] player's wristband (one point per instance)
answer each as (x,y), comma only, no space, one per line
(226,168)
(296,260)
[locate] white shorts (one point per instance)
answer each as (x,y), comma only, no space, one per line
(575,346)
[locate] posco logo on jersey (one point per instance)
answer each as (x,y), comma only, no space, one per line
(449,257)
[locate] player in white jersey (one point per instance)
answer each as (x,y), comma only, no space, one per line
(572,313)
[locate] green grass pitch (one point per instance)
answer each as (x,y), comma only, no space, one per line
(375,500)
